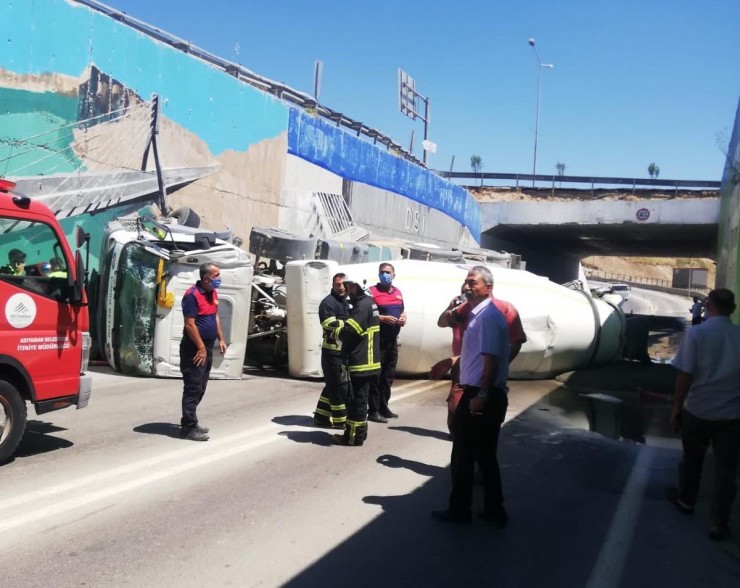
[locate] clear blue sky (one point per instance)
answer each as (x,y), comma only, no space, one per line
(634,82)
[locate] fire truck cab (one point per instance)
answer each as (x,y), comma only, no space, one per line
(44,324)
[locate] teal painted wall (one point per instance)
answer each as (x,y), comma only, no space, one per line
(56,36)
(56,43)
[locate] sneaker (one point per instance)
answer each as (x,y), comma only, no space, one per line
(376,417)
(389,414)
(200,429)
(194,435)
(342,440)
(448,516)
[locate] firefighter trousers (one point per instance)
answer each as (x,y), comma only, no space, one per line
(331,408)
(355,429)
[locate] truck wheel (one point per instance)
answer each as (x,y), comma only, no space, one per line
(186,217)
(12,420)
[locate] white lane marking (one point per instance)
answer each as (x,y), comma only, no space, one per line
(225,444)
(31,497)
(607,572)
(417,387)
(119,488)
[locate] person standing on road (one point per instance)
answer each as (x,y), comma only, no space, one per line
(389,301)
(360,352)
(456,316)
(484,367)
(202,329)
(331,410)
(706,409)
(696,310)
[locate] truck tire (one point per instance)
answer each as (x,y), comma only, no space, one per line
(186,217)
(12,420)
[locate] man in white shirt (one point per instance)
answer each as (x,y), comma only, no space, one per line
(484,367)
(706,409)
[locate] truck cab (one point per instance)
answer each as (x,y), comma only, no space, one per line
(44,325)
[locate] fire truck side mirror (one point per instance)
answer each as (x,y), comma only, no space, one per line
(81,237)
(78,289)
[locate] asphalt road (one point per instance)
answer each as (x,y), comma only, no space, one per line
(653,302)
(110,496)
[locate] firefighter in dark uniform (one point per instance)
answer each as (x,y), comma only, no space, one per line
(361,355)
(331,410)
(16,265)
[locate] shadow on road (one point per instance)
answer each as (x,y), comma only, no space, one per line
(314,437)
(562,487)
(423,432)
(294,420)
(38,439)
(418,467)
(164,429)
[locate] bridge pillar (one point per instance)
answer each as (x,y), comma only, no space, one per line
(557,266)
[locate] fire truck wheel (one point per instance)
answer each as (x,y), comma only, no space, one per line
(12,419)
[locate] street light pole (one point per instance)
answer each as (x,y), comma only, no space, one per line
(541,66)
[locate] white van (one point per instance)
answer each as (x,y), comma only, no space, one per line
(622,289)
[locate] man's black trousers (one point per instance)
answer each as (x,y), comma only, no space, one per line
(381,394)
(195,380)
(724,436)
(476,440)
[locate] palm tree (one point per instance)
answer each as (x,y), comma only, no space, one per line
(476,163)
(653,170)
(561,170)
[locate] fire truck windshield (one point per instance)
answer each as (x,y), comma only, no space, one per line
(32,258)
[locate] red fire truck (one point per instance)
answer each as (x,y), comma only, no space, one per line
(44,324)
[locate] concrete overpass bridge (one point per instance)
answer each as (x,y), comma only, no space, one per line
(553,235)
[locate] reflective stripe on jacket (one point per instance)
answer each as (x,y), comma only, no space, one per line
(333,312)
(360,338)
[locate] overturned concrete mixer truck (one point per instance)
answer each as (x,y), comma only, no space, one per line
(566,328)
(269,303)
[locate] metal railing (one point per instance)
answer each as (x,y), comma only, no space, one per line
(593,181)
(277,89)
(641,281)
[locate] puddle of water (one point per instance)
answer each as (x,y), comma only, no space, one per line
(638,416)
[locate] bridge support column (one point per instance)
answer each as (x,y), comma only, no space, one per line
(558,267)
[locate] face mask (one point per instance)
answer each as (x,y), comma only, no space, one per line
(385,278)
(216,283)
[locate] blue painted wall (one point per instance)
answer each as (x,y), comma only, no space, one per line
(324,144)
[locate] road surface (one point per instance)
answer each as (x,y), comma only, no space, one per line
(111,496)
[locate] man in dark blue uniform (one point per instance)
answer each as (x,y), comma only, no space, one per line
(202,329)
(389,301)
